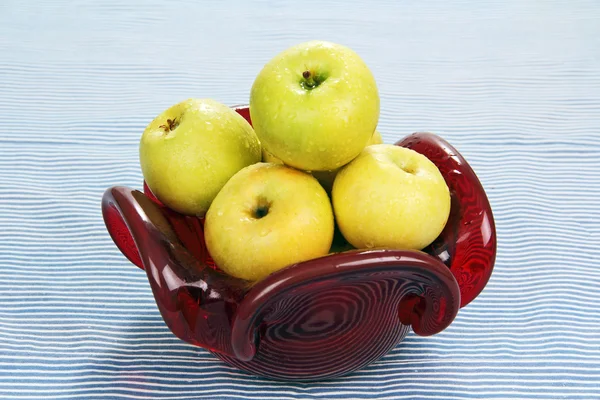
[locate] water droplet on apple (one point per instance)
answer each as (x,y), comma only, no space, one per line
(277,78)
(220,213)
(354,101)
(264,232)
(209,126)
(369,245)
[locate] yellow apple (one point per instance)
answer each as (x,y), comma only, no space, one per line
(326,178)
(315,105)
(266,217)
(189,151)
(391,197)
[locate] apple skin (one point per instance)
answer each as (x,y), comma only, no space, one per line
(266,217)
(326,178)
(390,197)
(318,123)
(186,166)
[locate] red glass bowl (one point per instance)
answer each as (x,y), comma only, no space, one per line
(321,318)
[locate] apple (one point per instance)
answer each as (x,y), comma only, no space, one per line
(189,151)
(315,106)
(266,217)
(326,178)
(390,197)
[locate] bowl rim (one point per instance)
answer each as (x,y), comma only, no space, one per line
(335,265)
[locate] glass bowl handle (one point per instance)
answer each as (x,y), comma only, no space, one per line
(196,301)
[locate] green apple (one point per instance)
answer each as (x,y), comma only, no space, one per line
(266,217)
(315,106)
(390,197)
(191,150)
(326,178)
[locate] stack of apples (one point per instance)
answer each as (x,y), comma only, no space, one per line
(312,166)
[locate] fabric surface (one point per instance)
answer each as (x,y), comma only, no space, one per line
(514,85)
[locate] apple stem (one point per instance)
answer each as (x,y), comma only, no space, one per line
(309,79)
(170,125)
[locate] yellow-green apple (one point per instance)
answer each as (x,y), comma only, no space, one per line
(188,152)
(315,105)
(390,197)
(326,178)
(266,217)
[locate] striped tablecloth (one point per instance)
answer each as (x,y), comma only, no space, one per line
(514,85)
